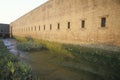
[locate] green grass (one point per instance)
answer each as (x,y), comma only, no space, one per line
(55,47)
(11,68)
(30,46)
(20,39)
(51,46)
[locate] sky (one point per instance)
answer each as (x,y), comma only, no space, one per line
(10,10)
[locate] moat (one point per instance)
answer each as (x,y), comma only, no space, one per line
(47,65)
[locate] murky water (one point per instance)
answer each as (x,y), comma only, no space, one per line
(50,66)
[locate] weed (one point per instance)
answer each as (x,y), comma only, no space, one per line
(12,68)
(30,46)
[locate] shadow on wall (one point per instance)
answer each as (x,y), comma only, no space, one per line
(4,30)
(4,35)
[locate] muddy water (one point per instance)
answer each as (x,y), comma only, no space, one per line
(50,66)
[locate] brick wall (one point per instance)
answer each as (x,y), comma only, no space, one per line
(73,12)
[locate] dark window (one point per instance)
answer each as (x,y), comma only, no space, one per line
(44,27)
(68,25)
(31,28)
(103,22)
(50,26)
(39,28)
(58,25)
(35,28)
(83,23)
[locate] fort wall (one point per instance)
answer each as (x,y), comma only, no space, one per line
(72,21)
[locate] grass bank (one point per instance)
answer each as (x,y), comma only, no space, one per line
(51,46)
(11,68)
(100,62)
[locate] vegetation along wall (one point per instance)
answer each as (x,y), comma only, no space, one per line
(72,21)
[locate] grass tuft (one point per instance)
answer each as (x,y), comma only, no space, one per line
(30,46)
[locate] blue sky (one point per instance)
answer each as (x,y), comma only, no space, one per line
(11,10)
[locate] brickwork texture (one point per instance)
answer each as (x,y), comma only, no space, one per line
(72,21)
